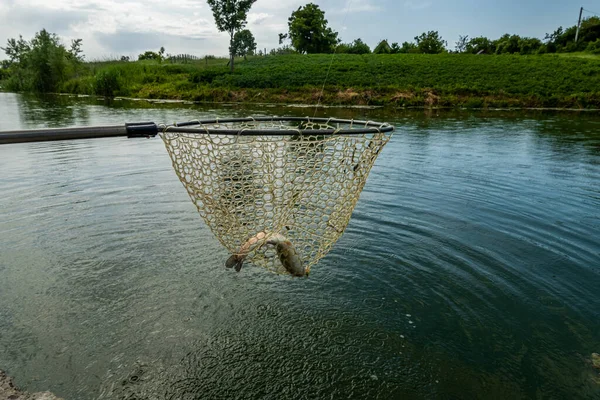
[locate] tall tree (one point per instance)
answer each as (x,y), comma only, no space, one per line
(408,47)
(430,43)
(308,31)
(41,64)
(480,44)
(244,43)
(461,45)
(230,16)
(382,47)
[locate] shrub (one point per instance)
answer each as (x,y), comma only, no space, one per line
(593,47)
(207,75)
(4,73)
(107,82)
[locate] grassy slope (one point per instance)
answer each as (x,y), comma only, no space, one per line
(403,80)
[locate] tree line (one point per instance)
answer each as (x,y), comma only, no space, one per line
(43,63)
(40,65)
(308,33)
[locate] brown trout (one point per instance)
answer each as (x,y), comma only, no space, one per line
(288,256)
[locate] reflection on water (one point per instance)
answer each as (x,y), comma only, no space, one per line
(470,268)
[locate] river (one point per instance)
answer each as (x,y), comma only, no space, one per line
(470,268)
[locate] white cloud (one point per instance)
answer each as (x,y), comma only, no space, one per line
(127,27)
(413,5)
(257,18)
(358,6)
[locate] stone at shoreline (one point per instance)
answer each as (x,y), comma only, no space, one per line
(8,391)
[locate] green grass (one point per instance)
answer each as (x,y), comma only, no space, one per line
(579,54)
(449,80)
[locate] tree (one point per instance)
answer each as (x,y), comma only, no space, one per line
(507,44)
(359,47)
(39,65)
(75,52)
(461,45)
(308,31)
(407,47)
(356,47)
(230,16)
(480,44)
(529,45)
(16,49)
(282,51)
(382,47)
(244,43)
(149,55)
(431,43)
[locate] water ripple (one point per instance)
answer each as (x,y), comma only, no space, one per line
(470,268)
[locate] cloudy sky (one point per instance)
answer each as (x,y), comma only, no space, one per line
(111,28)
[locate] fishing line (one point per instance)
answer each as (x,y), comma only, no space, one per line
(331,61)
(591,12)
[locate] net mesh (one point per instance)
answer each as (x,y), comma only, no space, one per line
(301,184)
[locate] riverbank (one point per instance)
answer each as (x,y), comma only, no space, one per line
(8,391)
(395,80)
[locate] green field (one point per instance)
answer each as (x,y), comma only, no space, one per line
(401,80)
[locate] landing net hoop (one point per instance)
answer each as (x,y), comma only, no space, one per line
(297,176)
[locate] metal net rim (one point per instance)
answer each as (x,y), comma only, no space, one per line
(343,126)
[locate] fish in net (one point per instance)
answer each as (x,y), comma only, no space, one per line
(276,192)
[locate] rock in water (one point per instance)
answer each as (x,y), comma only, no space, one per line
(8,391)
(596,360)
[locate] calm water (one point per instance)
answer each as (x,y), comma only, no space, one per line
(470,269)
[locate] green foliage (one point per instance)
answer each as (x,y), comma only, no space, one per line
(480,45)
(563,40)
(515,44)
(593,47)
(4,73)
(430,43)
(282,51)
(356,47)
(529,45)
(511,44)
(207,75)
(230,16)
(17,50)
(308,31)
(507,44)
(81,85)
(42,64)
(75,52)
(107,82)
(407,47)
(175,69)
(461,45)
(382,47)
(149,55)
(447,72)
(403,79)
(244,43)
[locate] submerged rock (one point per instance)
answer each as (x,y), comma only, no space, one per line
(8,391)
(596,365)
(596,360)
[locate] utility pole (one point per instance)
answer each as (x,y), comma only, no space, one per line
(578,24)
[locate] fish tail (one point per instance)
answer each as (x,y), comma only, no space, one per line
(239,264)
(231,261)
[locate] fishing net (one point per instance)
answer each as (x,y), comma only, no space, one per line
(299,177)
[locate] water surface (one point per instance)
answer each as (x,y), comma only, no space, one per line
(470,268)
